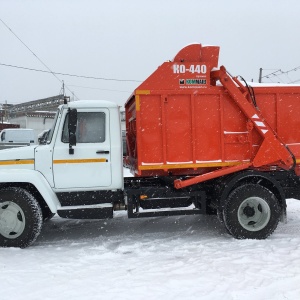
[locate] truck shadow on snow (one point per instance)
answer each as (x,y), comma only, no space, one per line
(60,230)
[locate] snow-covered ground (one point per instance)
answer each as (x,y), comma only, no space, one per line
(182,257)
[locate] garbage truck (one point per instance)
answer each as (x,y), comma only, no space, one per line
(198,141)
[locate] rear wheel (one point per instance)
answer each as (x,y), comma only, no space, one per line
(251,212)
(20,218)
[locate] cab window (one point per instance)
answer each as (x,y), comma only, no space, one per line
(90,128)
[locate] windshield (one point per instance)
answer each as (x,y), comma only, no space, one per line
(50,134)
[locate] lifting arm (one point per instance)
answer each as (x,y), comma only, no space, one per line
(271,150)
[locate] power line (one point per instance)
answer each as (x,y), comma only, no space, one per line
(94,88)
(66,74)
(295,81)
(270,79)
(279,72)
(50,71)
(271,74)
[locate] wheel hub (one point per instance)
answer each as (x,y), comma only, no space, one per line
(7,220)
(12,220)
(249,211)
(254,214)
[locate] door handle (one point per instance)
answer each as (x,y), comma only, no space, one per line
(102,152)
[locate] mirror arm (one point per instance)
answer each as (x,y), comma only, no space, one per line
(71,149)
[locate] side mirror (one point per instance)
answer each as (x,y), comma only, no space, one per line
(72,126)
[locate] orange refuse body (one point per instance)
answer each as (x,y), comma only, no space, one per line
(191,118)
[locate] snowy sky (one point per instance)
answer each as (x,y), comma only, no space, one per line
(130,39)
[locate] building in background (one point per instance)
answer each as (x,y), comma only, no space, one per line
(37,115)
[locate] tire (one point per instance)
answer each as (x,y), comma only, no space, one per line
(220,215)
(21,218)
(251,212)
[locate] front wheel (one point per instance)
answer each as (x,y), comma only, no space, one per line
(251,212)
(20,218)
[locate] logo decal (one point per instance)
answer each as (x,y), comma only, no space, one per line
(196,81)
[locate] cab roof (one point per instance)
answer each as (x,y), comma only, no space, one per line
(92,103)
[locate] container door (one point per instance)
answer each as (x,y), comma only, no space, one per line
(90,165)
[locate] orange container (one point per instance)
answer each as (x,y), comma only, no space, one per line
(179,121)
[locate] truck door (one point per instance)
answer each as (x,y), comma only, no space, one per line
(90,165)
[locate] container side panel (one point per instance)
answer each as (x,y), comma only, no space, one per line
(208,128)
(236,136)
(178,129)
(150,130)
(289,121)
(234,118)
(237,152)
(267,105)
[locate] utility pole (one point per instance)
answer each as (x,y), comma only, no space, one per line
(1,109)
(260,75)
(62,90)
(6,118)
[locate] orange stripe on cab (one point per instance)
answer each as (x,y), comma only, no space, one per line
(79,161)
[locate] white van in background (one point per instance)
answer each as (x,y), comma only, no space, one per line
(17,135)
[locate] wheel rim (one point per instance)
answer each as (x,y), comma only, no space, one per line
(12,220)
(254,213)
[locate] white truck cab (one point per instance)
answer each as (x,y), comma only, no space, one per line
(95,162)
(76,173)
